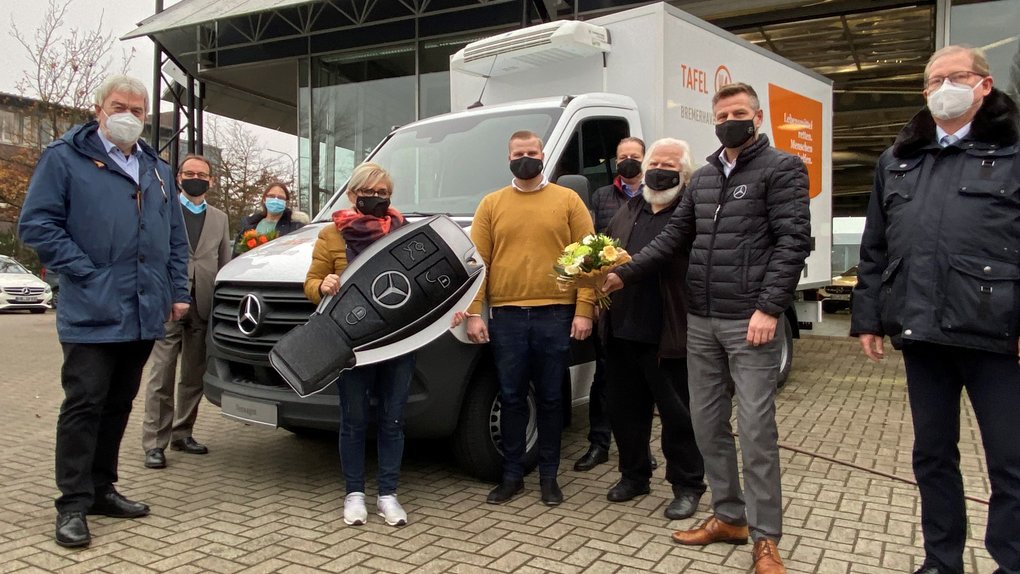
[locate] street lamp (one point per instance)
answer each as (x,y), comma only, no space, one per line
(293,162)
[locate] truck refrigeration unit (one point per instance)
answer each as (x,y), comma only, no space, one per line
(648,72)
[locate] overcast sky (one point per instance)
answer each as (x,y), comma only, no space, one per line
(118,17)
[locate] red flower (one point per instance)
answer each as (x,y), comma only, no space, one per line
(263,239)
(251,244)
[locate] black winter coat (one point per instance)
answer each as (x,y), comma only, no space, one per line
(940,255)
(605,202)
(672,285)
(284,226)
(748,234)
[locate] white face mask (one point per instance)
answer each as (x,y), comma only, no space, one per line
(123,128)
(951,101)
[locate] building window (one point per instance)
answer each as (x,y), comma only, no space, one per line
(992,25)
(10,127)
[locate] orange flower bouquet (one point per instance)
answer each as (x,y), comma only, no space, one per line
(251,239)
(586,263)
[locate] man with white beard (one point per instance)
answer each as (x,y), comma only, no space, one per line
(645,333)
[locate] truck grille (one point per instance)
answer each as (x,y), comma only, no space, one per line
(273,310)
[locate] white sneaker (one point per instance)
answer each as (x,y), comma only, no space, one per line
(355,513)
(391,511)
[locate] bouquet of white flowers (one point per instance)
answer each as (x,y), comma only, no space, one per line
(587,262)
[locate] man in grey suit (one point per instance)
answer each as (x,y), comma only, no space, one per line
(168,421)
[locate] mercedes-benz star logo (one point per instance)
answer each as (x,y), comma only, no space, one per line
(249,314)
(391,289)
(26,291)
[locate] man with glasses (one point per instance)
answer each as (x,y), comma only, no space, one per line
(939,273)
(170,421)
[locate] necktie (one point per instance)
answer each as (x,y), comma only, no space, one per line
(949,140)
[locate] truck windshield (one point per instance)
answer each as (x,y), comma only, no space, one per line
(447,166)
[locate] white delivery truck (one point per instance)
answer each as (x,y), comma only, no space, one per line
(647,72)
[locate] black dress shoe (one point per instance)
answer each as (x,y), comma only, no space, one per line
(928,568)
(505,491)
(112,503)
(551,493)
(189,446)
(626,490)
(683,506)
(154,458)
(595,456)
(72,530)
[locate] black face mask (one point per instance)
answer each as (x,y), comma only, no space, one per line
(662,179)
(628,168)
(734,133)
(526,167)
(194,187)
(374,206)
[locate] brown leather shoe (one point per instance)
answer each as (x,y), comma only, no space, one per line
(766,558)
(712,530)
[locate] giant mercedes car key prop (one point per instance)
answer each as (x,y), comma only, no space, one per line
(399,295)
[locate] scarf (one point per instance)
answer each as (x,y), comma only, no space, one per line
(360,230)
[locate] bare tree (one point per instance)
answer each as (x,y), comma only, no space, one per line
(68,63)
(244,171)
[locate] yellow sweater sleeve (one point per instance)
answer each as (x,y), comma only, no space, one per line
(581,225)
(481,236)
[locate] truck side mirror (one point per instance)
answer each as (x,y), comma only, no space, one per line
(579,184)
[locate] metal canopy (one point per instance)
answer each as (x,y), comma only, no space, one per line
(194,12)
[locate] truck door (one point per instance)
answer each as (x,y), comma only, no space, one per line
(591,149)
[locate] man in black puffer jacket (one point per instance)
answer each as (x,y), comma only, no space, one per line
(746,221)
(939,273)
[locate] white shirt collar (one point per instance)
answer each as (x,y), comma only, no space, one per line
(727,166)
(109,146)
(960,133)
(545,182)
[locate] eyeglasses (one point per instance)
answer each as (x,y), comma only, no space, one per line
(196,175)
(381,192)
(961,77)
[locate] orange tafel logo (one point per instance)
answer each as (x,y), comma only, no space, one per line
(722,77)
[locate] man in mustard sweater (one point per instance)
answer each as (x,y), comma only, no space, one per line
(520,231)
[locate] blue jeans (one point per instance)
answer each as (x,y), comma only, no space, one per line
(531,345)
(389,383)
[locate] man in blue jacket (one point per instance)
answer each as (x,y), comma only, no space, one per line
(101,211)
(940,276)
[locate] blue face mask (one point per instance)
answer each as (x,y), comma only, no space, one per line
(275,205)
(196,209)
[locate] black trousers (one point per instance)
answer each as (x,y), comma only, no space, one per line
(599,432)
(638,381)
(100,382)
(936,375)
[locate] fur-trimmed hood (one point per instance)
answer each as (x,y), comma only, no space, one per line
(997,122)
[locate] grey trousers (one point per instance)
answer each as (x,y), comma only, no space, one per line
(168,419)
(713,347)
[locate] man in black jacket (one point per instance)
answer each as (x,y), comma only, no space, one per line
(605,202)
(746,222)
(939,272)
(645,336)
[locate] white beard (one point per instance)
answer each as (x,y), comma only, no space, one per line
(660,198)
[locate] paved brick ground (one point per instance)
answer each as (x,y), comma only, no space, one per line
(268,501)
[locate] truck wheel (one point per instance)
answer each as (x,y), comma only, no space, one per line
(786,353)
(477,440)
